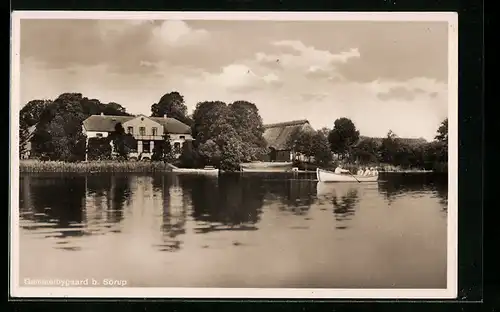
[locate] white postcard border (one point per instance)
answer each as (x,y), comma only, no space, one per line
(127,292)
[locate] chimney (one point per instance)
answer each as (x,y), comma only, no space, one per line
(164,116)
(102,114)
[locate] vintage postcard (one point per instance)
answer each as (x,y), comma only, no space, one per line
(234,155)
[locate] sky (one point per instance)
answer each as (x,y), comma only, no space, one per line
(382,75)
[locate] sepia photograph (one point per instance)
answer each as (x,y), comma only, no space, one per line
(234,155)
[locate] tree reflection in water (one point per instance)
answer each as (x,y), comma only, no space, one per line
(230,203)
(295,195)
(53,205)
(174,212)
(65,206)
(394,185)
(344,207)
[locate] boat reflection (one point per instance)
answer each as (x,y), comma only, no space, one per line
(344,197)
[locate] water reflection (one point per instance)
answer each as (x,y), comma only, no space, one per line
(68,206)
(231,203)
(393,186)
(295,194)
(284,230)
(344,207)
(344,197)
(52,204)
(174,206)
(72,206)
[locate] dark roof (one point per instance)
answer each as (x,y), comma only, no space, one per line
(277,135)
(107,123)
(104,123)
(172,125)
(287,124)
(409,141)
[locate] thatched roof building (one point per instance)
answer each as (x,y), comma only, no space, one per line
(278,134)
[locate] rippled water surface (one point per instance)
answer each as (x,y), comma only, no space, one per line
(234,231)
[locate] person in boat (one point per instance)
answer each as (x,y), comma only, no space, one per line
(375,171)
(367,172)
(360,172)
(340,170)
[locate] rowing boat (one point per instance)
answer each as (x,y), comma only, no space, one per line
(329,176)
(205,171)
(266,167)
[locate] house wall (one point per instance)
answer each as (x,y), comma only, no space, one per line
(177,141)
(143,122)
(134,126)
(283,155)
(95,134)
(144,139)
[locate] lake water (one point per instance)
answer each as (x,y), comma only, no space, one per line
(234,231)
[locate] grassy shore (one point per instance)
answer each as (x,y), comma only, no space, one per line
(93,166)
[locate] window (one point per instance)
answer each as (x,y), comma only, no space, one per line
(154,131)
(142,131)
(182,137)
(130,130)
(98,135)
(146,146)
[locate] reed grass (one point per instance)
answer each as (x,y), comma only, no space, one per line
(93,166)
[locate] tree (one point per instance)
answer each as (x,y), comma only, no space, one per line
(231,154)
(325,131)
(366,151)
(58,134)
(31,112)
(311,144)
(320,148)
(442,132)
(162,150)
(212,122)
(244,117)
(41,142)
(210,152)
(118,139)
(98,149)
(343,136)
(208,118)
(436,153)
(389,148)
(24,137)
(171,104)
(189,157)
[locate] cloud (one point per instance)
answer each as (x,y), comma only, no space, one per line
(239,78)
(294,68)
(296,60)
(177,33)
(316,73)
(308,58)
(396,93)
(408,90)
(311,97)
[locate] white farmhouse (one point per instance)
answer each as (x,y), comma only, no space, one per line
(146,130)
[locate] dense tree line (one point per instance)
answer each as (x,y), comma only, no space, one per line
(344,141)
(225,135)
(58,125)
